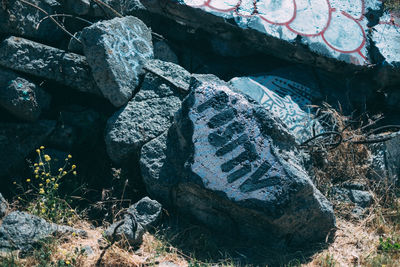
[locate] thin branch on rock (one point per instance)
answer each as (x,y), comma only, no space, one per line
(101,3)
(53,19)
(62,15)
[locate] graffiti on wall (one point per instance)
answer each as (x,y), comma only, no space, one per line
(339,25)
(281,97)
(128,46)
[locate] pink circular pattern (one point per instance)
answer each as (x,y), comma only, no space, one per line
(292,14)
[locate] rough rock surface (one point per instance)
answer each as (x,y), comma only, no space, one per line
(386,159)
(234,167)
(18,18)
(22,231)
(299,122)
(149,113)
(3,206)
(17,140)
(116,51)
(163,51)
(140,216)
(47,62)
(20,97)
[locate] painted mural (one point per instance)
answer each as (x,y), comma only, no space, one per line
(335,27)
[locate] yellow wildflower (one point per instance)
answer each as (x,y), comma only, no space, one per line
(69,156)
(47,180)
(14,182)
(42,147)
(28,180)
(38,151)
(40,163)
(53,179)
(47,157)
(64,172)
(73,167)
(40,185)
(60,169)
(36,176)
(73,234)
(74,172)
(35,164)
(55,186)
(43,210)
(36,171)
(41,191)
(67,262)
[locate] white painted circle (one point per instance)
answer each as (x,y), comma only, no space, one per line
(312,17)
(344,34)
(276,11)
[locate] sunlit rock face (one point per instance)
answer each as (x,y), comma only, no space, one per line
(227,153)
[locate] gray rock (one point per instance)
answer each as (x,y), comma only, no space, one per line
(17,140)
(18,18)
(20,97)
(164,52)
(22,231)
(140,216)
(234,167)
(386,159)
(361,198)
(154,168)
(47,62)
(172,73)
(88,250)
(116,51)
(3,206)
(149,113)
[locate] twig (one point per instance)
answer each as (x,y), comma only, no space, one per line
(101,3)
(54,20)
(62,15)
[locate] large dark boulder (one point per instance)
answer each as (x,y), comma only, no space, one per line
(228,162)
(116,51)
(22,98)
(149,113)
(47,62)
